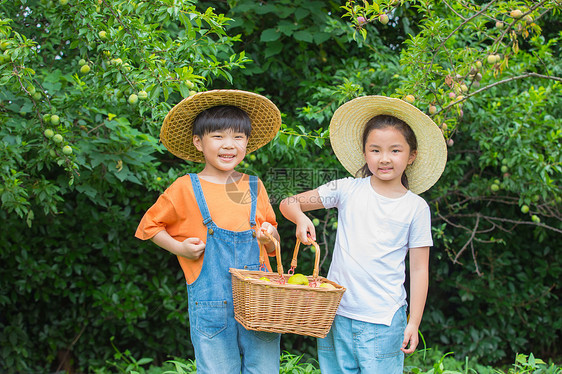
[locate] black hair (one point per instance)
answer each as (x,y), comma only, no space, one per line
(222,117)
(381,122)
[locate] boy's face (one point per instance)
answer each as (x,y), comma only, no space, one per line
(223,149)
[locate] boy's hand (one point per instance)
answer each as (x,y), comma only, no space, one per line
(265,240)
(410,336)
(269,228)
(192,248)
(305,227)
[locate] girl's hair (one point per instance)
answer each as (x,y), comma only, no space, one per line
(382,122)
(222,117)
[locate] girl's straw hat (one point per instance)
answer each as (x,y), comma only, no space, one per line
(177,131)
(346,133)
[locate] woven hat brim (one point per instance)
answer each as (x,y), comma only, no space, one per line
(346,132)
(177,130)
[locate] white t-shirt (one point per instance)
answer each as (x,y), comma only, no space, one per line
(373,236)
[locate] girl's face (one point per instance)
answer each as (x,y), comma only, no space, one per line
(387,155)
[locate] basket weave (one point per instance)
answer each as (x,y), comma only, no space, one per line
(277,306)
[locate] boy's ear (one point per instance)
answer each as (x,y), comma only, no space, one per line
(197,143)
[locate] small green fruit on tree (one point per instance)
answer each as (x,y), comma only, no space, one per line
(504,169)
(102,34)
(535,218)
(85,69)
(67,150)
(142,95)
(133,99)
(525,209)
(63,2)
(55,120)
(315,221)
(49,133)
(494,187)
(383,18)
(410,99)
(57,138)
(516,13)
(82,62)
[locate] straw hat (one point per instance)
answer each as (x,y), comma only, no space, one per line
(177,131)
(346,132)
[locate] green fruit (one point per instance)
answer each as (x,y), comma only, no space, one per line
(265,279)
(31,89)
(383,18)
(525,209)
(315,221)
(142,95)
(102,34)
(57,138)
(478,64)
(133,99)
(49,133)
(328,286)
(335,225)
(253,157)
(82,62)
(410,99)
(85,69)
(491,59)
(67,150)
(504,169)
(494,187)
(37,96)
(298,279)
(55,120)
(46,118)
(63,2)
(516,13)
(535,218)
(189,84)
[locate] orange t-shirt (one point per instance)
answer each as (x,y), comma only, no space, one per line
(177,212)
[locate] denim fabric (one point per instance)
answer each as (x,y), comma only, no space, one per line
(221,344)
(356,347)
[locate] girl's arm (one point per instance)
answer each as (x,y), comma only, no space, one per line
(419,282)
(293,209)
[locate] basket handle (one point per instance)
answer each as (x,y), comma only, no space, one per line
(316,260)
(277,252)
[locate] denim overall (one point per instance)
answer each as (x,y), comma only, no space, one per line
(222,345)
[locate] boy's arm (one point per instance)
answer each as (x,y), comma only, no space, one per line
(190,248)
(293,209)
(419,282)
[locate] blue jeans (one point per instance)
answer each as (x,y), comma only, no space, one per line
(357,347)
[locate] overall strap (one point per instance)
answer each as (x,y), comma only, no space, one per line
(254,195)
(200,198)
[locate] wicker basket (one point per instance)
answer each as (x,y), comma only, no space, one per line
(277,306)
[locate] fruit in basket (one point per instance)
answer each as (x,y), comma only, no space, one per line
(328,286)
(298,279)
(265,279)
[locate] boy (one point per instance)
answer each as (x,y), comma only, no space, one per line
(215,220)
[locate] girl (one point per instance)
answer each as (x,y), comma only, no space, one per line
(397,151)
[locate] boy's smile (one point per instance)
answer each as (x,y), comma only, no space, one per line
(223,150)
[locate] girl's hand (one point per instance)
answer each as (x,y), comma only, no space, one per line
(192,248)
(305,227)
(410,336)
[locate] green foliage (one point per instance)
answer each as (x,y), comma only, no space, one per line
(73,274)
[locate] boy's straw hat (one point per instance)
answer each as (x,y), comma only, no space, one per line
(346,132)
(177,131)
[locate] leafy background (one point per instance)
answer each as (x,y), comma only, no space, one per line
(74,279)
